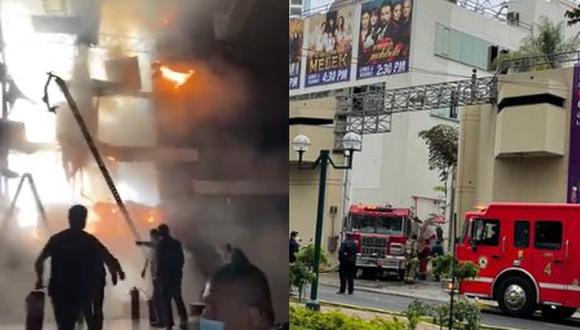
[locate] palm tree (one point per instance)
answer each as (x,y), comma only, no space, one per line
(539,50)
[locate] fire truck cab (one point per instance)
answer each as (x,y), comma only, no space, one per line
(527,255)
(381,234)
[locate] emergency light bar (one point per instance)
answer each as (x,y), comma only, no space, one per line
(378,209)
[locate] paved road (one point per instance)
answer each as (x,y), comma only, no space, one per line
(397,303)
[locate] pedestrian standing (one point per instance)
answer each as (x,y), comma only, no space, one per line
(347,264)
(170,273)
(294,246)
(151,264)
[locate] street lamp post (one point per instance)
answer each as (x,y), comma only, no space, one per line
(351,142)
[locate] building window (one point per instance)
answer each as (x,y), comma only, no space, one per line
(548,235)
(461,47)
(295,11)
(296,2)
(485,232)
(522,234)
(445,113)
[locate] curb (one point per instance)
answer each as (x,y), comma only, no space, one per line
(360,308)
(405,295)
(392,293)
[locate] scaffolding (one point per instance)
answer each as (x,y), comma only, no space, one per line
(369,109)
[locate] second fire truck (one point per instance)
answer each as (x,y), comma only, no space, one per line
(381,233)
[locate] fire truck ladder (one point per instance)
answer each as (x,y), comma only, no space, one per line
(91,143)
(37,200)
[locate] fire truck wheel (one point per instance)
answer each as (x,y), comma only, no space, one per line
(558,313)
(517,297)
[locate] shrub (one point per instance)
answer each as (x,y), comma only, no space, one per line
(466,315)
(442,268)
(335,320)
(301,272)
(414,312)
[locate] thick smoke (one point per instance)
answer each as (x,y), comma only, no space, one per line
(234,113)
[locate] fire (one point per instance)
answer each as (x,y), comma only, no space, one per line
(179,78)
(151,218)
(111,158)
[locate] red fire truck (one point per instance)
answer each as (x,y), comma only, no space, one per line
(528,257)
(381,233)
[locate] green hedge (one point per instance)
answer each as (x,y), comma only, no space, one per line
(301,317)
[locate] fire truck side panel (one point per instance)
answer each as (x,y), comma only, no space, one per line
(533,241)
(572,246)
(549,267)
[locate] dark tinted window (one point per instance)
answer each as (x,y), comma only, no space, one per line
(485,232)
(295,11)
(548,235)
(522,234)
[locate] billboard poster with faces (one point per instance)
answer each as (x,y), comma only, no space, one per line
(295,51)
(329,49)
(384,38)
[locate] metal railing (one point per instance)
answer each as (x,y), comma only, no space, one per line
(560,60)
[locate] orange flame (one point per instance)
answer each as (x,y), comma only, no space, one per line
(179,78)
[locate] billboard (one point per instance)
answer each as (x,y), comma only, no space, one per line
(295,51)
(384,38)
(330,38)
(574,155)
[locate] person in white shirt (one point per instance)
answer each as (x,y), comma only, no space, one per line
(151,263)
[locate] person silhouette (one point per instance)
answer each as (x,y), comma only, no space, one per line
(78,276)
(170,274)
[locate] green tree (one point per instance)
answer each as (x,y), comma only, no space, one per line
(538,50)
(442,141)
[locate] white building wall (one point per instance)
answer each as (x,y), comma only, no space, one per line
(400,158)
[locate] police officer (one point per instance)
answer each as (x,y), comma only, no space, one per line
(347,264)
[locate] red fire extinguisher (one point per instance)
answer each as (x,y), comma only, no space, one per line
(134,303)
(35,310)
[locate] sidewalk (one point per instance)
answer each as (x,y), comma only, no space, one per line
(425,290)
